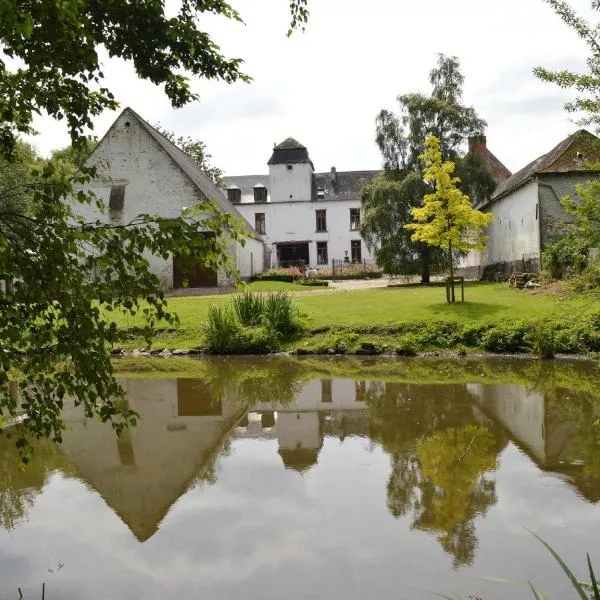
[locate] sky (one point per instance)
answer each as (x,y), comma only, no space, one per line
(325,86)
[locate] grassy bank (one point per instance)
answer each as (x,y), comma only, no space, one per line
(495,318)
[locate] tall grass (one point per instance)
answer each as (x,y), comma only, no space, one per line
(252,324)
(221,330)
(281,314)
(249,308)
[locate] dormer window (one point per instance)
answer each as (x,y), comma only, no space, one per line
(260,193)
(234,195)
(290,167)
(320,194)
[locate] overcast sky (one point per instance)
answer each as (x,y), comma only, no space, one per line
(325,86)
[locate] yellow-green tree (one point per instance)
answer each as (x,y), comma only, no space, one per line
(446,219)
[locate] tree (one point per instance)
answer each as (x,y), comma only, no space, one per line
(61,278)
(197,150)
(446,219)
(587,84)
(57,68)
(401,140)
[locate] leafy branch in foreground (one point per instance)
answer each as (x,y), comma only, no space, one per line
(62,278)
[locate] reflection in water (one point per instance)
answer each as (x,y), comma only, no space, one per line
(444,443)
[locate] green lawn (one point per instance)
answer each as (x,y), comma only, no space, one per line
(322,307)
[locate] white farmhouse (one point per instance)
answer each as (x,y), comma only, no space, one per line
(304,217)
(526,207)
(141,171)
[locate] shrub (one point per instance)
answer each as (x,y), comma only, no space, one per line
(587,281)
(221,330)
(257,340)
(439,334)
(509,337)
(313,282)
(541,337)
(281,314)
(566,256)
(249,308)
(407,346)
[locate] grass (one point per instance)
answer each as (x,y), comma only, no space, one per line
(380,307)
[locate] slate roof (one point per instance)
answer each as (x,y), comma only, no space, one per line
(341,185)
(290,151)
(563,158)
(190,168)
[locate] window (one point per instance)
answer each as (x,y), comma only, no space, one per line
(320,193)
(117,197)
(354,219)
(260,194)
(259,223)
(326,391)
(290,167)
(322,253)
(234,195)
(355,251)
(321,220)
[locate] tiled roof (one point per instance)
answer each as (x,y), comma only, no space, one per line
(571,155)
(290,151)
(339,185)
(190,168)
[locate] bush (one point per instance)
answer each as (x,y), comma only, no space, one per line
(249,308)
(313,282)
(587,281)
(541,337)
(221,330)
(281,314)
(566,256)
(510,337)
(407,346)
(288,275)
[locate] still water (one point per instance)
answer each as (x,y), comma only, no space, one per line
(283,478)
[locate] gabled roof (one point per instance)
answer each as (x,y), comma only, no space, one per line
(191,169)
(571,155)
(290,151)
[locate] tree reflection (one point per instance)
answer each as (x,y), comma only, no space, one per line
(441,453)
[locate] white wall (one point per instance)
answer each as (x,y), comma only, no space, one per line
(514,232)
(290,184)
(250,258)
(296,222)
(129,156)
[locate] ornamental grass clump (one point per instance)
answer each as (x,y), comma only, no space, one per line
(281,314)
(221,330)
(249,308)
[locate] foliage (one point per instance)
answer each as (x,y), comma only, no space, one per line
(249,308)
(16,179)
(389,198)
(64,279)
(567,256)
(253,323)
(67,82)
(446,219)
(281,314)
(312,282)
(196,149)
(587,84)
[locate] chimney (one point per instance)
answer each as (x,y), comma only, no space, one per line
(335,179)
(478,146)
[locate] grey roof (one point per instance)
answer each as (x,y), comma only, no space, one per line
(339,185)
(290,151)
(563,158)
(190,168)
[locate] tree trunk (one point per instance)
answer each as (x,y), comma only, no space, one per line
(452,297)
(425,255)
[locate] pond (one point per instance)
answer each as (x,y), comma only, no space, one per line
(315,478)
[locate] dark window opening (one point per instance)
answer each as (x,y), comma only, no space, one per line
(326,390)
(259,222)
(260,194)
(117,197)
(290,167)
(322,258)
(355,251)
(234,196)
(354,219)
(321,220)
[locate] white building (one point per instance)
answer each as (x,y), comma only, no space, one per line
(526,206)
(141,171)
(303,216)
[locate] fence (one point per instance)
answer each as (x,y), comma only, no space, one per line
(343,267)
